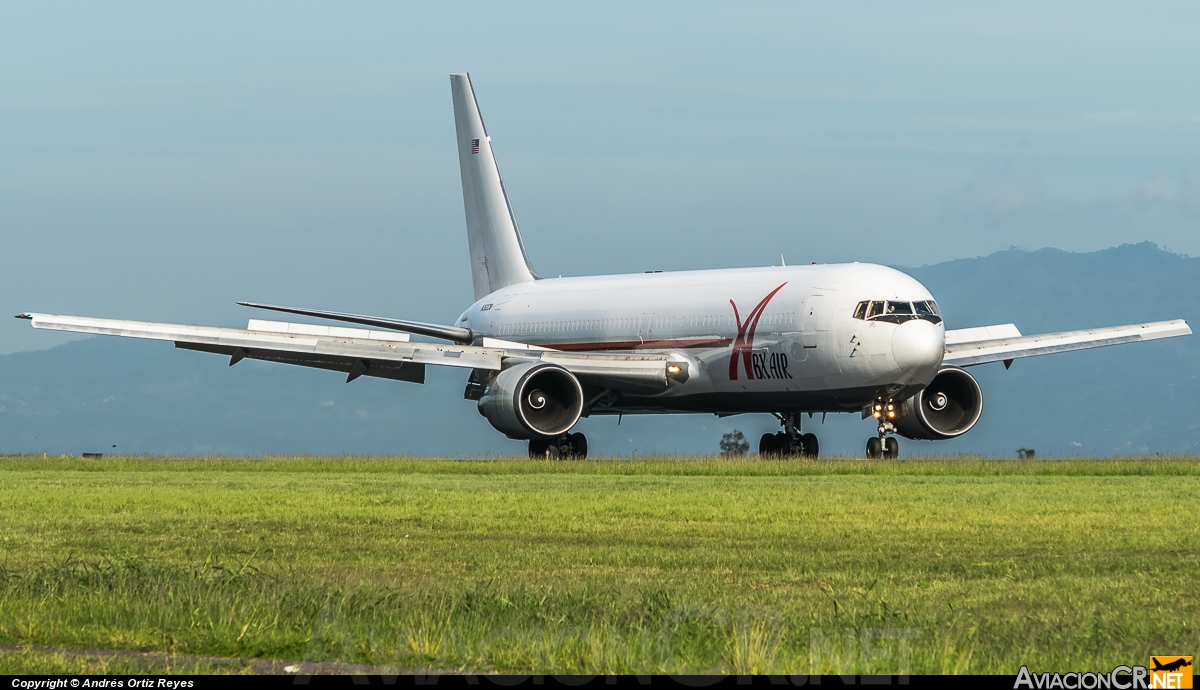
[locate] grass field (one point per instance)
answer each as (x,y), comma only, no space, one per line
(617,566)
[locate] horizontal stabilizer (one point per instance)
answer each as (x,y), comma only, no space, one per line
(432,330)
(965,354)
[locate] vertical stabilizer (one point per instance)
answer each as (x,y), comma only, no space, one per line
(497,254)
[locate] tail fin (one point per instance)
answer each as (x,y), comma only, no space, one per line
(498,256)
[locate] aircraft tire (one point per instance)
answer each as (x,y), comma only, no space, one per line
(538,448)
(891,448)
(578,446)
(783,445)
(810,445)
(874,447)
(766,446)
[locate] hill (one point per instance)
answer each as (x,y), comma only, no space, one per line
(147,397)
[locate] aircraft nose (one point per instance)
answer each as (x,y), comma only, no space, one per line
(918,345)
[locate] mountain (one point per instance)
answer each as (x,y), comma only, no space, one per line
(1129,399)
(147,397)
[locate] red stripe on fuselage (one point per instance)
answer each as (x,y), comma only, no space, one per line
(638,344)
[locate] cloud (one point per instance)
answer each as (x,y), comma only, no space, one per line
(1013,195)
(1020,195)
(1180,192)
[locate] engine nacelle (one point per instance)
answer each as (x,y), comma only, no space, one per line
(949,406)
(533,400)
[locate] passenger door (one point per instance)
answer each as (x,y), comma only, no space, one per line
(810,321)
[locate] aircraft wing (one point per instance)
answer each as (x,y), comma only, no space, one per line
(451,333)
(362,352)
(971,346)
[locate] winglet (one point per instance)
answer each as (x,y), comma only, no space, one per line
(27,316)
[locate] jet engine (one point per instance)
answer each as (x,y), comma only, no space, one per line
(533,400)
(949,406)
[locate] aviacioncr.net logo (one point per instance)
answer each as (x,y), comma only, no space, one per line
(1164,672)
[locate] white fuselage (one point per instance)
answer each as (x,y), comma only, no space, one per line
(770,339)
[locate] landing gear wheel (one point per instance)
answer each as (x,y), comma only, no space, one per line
(809,443)
(538,448)
(891,448)
(766,446)
(578,446)
(874,447)
(783,445)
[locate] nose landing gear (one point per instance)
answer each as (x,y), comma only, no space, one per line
(887,447)
(884,445)
(789,442)
(565,447)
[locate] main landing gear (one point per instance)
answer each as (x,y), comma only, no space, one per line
(883,445)
(565,447)
(789,442)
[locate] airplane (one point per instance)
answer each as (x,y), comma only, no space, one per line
(545,352)
(1179,663)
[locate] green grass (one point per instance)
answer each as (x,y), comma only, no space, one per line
(615,566)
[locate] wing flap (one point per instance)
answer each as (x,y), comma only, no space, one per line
(965,354)
(385,369)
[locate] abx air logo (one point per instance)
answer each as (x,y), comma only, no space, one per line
(758,365)
(1171,671)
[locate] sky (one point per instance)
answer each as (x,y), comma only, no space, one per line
(159,161)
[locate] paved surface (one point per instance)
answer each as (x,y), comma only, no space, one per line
(156,661)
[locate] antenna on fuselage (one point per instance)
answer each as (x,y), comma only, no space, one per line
(781,261)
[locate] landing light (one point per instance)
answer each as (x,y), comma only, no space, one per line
(674,369)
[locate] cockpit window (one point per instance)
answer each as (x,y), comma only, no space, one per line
(897,312)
